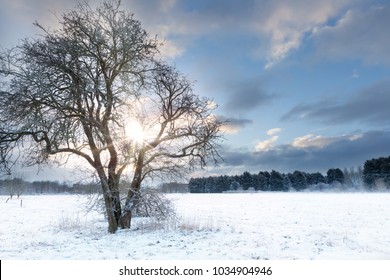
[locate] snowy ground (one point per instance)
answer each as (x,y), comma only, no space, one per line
(212,226)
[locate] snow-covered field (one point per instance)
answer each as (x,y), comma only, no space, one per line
(212,226)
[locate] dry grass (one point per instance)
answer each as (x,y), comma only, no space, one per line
(71,222)
(175,223)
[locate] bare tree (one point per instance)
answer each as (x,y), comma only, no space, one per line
(72,92)
(15,186)
(11,188)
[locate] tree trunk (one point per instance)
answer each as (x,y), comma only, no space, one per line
(117,207)
(113,206)
(113,185)
(111,196)
(130,205)
(110,190)
(127,210)
(111,217)
(133,194)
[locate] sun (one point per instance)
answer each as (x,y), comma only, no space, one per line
(134,131)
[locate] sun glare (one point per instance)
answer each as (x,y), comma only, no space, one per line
(135,131)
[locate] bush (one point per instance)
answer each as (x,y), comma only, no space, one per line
(153,204)
(149,203)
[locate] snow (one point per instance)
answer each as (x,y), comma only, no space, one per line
(275,226)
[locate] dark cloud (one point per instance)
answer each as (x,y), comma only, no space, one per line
(192,18)
(220,8)
(369,105)
(246,95)
(360,33)
(233,125)
(239,122)
(235,122)
(286,158)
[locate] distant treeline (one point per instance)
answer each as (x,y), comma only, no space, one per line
(376,172)
(373,176)
(17,186)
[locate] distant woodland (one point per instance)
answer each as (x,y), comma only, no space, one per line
(375,175)
(16,187)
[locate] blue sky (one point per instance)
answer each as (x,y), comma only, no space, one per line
(305,84)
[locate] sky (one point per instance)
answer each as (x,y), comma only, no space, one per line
(304,84)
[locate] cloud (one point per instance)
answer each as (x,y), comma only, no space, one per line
(17,18)
(344,151)
(369,105)
(279,26)
(233,125)
(287,23)
(158,17)
(181,23)
(274,131)
(246,95)
(333,27)
(360,33)
(355,74)
(268,144)
(311,140)
(164,19)
(170,50)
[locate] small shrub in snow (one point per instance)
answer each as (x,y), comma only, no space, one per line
(153,204)
(70,223)
(196,224)
(153,224)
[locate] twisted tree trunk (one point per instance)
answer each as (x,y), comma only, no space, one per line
(132,198)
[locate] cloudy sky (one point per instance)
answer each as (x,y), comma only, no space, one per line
(305,84)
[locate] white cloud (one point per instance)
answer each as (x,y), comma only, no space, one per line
(229,129)
(311,140)
(269,143)
(355,74)
(282,24)
(274,131)
(170,49)
(306,141)
(288,22)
